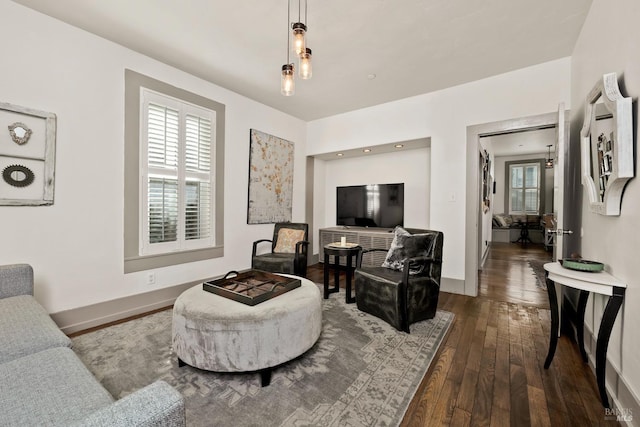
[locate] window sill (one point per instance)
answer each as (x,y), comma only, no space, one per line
(149,262)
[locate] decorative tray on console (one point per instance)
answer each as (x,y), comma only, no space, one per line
(251,287)
(580,264)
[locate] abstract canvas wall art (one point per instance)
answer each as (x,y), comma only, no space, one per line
(270,179)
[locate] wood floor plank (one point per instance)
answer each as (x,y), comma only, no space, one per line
(538,412)
(519,409)
(481,414)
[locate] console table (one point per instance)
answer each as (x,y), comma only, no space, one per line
(601,283)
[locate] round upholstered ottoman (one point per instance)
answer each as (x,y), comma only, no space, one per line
(215,333)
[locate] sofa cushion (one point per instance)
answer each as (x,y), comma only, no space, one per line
(49,388)
(27,328)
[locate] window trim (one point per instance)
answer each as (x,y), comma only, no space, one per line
(542,182)
(133,261)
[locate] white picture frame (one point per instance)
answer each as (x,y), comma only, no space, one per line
(27,156)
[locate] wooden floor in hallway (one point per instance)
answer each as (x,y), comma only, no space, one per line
(489,371)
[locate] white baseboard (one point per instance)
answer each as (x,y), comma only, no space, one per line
(623,400)
(79,319)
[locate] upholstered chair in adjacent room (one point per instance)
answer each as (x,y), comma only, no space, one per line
(405,289)
(288,252)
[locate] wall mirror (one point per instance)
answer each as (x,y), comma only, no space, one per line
(606,145)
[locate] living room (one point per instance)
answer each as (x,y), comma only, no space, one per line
(77,244)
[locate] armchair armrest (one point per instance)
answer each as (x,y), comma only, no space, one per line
(301,247)
(255,245)
(411,262)
(364,251)
(16,279)
(157,404)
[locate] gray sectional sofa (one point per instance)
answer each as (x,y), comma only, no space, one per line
(43,382)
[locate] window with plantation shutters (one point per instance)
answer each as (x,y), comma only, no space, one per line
(524,188)
(177,176)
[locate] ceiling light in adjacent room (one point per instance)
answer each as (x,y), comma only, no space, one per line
(366,150)
(549,163)
(398,145)
(340,154)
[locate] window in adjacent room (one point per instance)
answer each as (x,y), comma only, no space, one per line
(173,175)
(524,188)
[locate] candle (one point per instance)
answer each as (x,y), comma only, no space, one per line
(343,241)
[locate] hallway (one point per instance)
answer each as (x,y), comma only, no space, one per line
(507,274)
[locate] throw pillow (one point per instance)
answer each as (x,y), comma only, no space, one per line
(405,245)
(499,219)
(287,239)
(395,255)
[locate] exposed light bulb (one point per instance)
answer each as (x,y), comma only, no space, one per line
(305,71)
(287,83)
(299,30)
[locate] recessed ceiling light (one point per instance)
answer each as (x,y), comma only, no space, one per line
(340,154)
(399,145)
(367,150)
(371,76)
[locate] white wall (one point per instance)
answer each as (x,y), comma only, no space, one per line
(608,43)
(375,169)
(76,245)
(444,116)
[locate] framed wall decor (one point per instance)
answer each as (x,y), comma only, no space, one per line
(27,156)
(486,181)
(270,179)
(606,146)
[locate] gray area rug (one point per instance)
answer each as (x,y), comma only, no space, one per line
(538,270)
(361,372)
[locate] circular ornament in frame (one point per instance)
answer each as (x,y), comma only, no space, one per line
(17,175)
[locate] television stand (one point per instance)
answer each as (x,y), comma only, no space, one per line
(367,237)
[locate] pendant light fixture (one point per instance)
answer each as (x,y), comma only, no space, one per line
(549,163)
(298,33)
(287,81)
(305,65)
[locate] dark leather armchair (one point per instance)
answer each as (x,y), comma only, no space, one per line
(402,297)
(288,253)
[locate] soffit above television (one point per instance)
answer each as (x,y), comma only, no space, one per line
(392,147)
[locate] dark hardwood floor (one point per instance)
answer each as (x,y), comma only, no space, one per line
(489,370)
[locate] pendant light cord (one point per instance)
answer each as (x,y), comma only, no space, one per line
(288,23)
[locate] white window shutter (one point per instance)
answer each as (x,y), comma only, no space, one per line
(178,178)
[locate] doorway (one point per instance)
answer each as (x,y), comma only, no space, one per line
(474,133)
(523,185)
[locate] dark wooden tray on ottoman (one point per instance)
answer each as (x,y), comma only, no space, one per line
(251,287)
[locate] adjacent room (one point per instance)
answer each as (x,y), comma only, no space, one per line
(373,214)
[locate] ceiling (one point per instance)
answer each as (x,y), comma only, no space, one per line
(411,46)
(526,142)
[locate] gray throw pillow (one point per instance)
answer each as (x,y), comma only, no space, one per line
(405,245)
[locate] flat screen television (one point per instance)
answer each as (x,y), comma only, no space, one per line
(374,205)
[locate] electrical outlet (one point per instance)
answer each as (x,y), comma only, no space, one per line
(151,278)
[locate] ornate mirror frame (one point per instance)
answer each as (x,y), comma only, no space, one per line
(613,153)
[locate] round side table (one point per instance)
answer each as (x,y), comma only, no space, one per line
(338,251)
